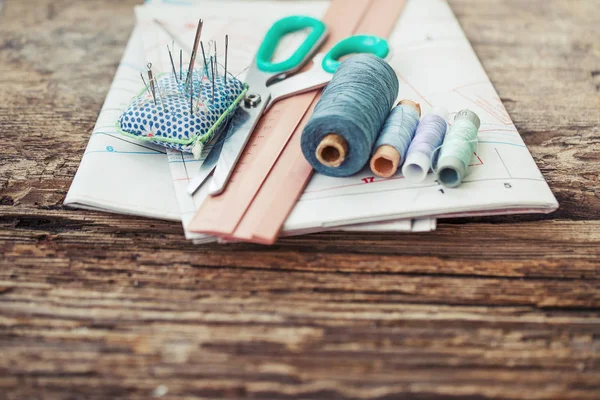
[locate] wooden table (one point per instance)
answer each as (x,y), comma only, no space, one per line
(99,306)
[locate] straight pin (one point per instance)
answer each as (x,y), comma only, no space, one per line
(194,50)
(212,67)
(200,98)
(211,54)
(204,58)
(216,63)
(192,97)
(145,84)
(180,64)
(173,64)
(226,51)
(170,34)
(160,95)
(151,79)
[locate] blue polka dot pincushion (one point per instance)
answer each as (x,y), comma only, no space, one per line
(179,119)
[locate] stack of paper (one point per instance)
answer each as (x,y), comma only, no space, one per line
(118,174)
(436,66)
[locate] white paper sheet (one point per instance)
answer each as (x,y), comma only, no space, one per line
(118,174)
(436,67)
(417,225)
(246,29)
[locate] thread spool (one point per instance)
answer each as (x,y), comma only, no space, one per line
(338,139)
(395,137)
(457,149)
(429,137)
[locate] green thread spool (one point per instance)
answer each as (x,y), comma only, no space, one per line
(458,148)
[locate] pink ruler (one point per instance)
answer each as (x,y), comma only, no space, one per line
(272,172)
(284,185)
(221,215)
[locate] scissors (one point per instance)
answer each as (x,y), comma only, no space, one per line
(269,82)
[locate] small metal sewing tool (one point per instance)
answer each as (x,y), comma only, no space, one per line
(160,96)
(226,51)
(171,35)
(194,50)
(145,84)
(172,64)
(204,58)
(151,79)
(192,96)
(200,83)
(212,68)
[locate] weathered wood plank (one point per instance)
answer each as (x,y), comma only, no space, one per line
(101,306)
(539,249)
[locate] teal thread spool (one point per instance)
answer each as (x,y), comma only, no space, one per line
(339,138)
(458,148)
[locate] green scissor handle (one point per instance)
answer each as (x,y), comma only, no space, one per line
(279,30)
(355,44)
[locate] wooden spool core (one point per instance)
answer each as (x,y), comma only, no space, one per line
(411,103)
(332,150)
(385,161)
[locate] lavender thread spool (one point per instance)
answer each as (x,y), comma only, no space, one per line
(429,136)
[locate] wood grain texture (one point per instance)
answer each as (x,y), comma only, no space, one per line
(100,306)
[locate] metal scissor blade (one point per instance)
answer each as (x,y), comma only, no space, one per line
(234,146)
(209,164)
(314,78)
(206,168)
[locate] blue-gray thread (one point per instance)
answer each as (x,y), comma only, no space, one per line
(399,129)
(355,106)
